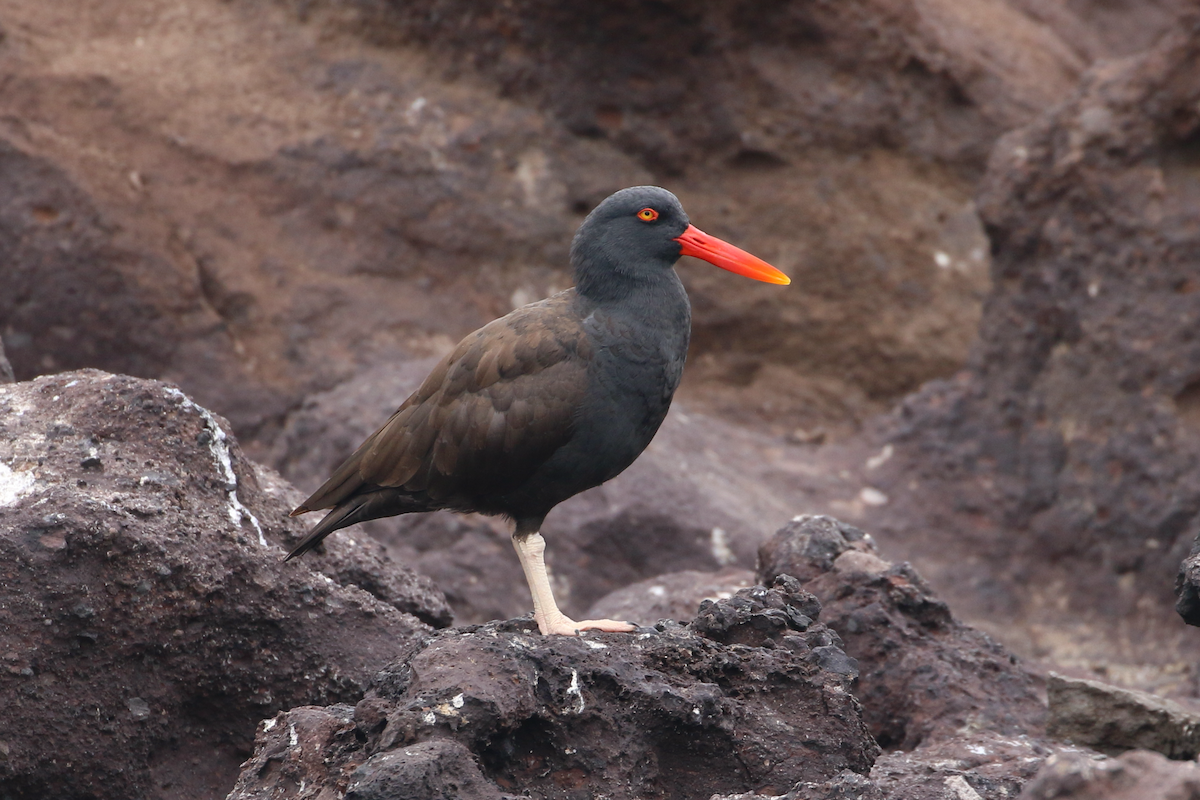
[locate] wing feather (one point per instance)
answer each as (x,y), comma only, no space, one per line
(484,420)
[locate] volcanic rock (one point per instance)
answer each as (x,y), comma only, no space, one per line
(353,201)
(6,370)
(960,717)
(149,622)
(496,710)
(980,765)
(957,713)
(1064,462)
(1112,720)
(922,674)
(1137,775)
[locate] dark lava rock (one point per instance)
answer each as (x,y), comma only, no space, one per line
(960,718)
(922,674)
(757,614)
(979,766)
(669,712)
(149,622)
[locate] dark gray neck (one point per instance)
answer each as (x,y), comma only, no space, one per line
(658,299)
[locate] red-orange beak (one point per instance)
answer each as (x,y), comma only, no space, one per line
(722,254)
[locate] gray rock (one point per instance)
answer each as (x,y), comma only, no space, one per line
(674,595)
(6,370)
(420,771)
(923,675)
(1113,720)
(1136,775)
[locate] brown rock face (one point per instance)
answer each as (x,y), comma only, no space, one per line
(922,674)
(669,712)
(1070,446)
(148,622)
(957,715)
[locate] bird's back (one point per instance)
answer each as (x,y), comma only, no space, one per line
(483,422)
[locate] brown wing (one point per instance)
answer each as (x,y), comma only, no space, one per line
(486,417)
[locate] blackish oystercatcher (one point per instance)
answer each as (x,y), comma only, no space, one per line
(555,398)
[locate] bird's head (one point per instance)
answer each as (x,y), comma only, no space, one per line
(639,233)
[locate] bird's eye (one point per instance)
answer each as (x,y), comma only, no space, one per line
(647,215)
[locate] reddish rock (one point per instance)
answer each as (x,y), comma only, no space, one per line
(293,206)
(741,78)
(149,622)
(923,675)
(956,713)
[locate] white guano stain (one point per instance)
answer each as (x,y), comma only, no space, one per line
(721,551)
(574,689)
(873,497)
(219,446)
(15,485)
(884,456)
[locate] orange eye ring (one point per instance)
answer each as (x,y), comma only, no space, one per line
(647,215)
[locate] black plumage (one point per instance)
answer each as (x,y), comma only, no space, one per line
(552,399)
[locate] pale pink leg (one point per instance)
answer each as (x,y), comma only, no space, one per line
(531,550)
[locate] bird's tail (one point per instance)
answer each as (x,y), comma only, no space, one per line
(358,508)
(335,519)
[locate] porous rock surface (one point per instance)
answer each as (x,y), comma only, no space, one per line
(954,711)
(957,714)
(753,694)
(148,620)
(922,673)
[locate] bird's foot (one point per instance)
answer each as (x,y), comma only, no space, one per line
(562,625)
